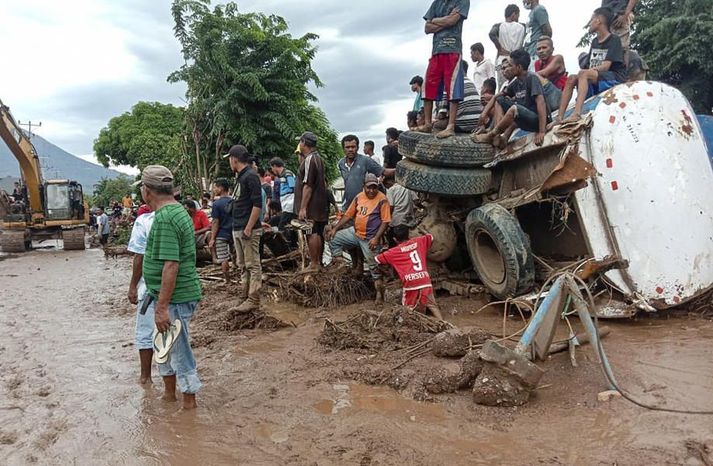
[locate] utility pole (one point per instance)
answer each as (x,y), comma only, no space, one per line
(29,125)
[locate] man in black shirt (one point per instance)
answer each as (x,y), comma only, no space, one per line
(605,69)
(311,199)
(522,105)
(247,229)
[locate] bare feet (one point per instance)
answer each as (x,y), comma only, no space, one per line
(573,118)
(484,137)
(427,128)
(500,142)
(169,397)
(189,401)
(446,133)
(145,380)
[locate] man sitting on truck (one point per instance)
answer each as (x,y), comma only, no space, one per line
(549,65)
(409,260)
(523,105)
(605,69)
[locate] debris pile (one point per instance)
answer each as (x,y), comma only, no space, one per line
(329,288)
(391,329)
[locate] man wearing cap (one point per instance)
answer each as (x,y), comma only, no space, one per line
(173,288)
(311,200)
(371,214)
(247,228)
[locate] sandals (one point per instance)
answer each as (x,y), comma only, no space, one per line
(164,341)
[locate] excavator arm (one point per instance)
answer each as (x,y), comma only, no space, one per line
(25,153)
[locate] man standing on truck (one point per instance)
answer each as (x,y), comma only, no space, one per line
(538,26)
(507,37)
(484,68)
(523,105)
(606,67)
(623,12)
(408,257)
(417,87)
(444,19)
(174,290)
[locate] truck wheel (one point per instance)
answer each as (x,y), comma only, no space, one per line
(15,241)
(500,251)
(458,151)
(443,181)
(73,239)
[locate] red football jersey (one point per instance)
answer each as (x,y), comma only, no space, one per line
(409,260)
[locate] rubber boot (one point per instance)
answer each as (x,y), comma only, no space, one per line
(252,303)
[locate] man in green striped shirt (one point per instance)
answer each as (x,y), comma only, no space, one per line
(171,279)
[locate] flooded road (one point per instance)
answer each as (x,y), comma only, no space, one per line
(68,391)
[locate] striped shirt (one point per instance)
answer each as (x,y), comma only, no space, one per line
(469,109)
(172,239)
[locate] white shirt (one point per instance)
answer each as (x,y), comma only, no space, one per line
(378,158)
(483,70)
(138,240)
(511,35)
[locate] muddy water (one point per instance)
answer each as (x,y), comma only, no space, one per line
(68,393)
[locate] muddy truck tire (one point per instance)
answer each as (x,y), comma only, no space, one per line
(73,239)
(456,152)
(500,251)
(443,181)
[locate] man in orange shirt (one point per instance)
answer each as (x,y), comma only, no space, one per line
(201,224)
(371,213)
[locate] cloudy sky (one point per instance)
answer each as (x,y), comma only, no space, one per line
(74,65)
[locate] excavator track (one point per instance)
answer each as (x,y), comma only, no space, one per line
(73,239)
(14,241)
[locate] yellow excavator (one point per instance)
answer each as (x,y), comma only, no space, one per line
(44,209)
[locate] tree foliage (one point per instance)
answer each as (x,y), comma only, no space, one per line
(108,190)
(674,37)
(248,82)
(150,133)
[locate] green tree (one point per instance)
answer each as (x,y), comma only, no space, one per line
(108,190)
(151,133)
(248,82)
(674,38)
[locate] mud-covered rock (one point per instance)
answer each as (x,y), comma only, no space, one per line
(497,387)
(455,343)
(470,366)
(444,379)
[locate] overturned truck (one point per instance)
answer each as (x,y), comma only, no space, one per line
(632,180)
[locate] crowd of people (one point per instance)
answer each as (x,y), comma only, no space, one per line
(373,225)
(528,82)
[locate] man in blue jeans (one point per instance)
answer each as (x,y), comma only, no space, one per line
(137,294)
(171,278)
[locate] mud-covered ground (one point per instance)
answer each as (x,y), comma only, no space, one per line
(68,391)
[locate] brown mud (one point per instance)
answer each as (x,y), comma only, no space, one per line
(68,391)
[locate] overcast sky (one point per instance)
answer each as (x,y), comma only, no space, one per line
(74,65)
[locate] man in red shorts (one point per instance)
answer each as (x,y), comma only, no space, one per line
(444,19)
(409,260)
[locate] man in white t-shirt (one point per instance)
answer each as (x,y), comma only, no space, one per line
(369,152)
(507,37)
(484,68)
(137,294)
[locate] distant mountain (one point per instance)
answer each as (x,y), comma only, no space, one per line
(56,163)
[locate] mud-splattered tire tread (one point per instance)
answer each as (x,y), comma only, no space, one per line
(73,239)
(457,152)
(514,247)
(13,241)
(443,181)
